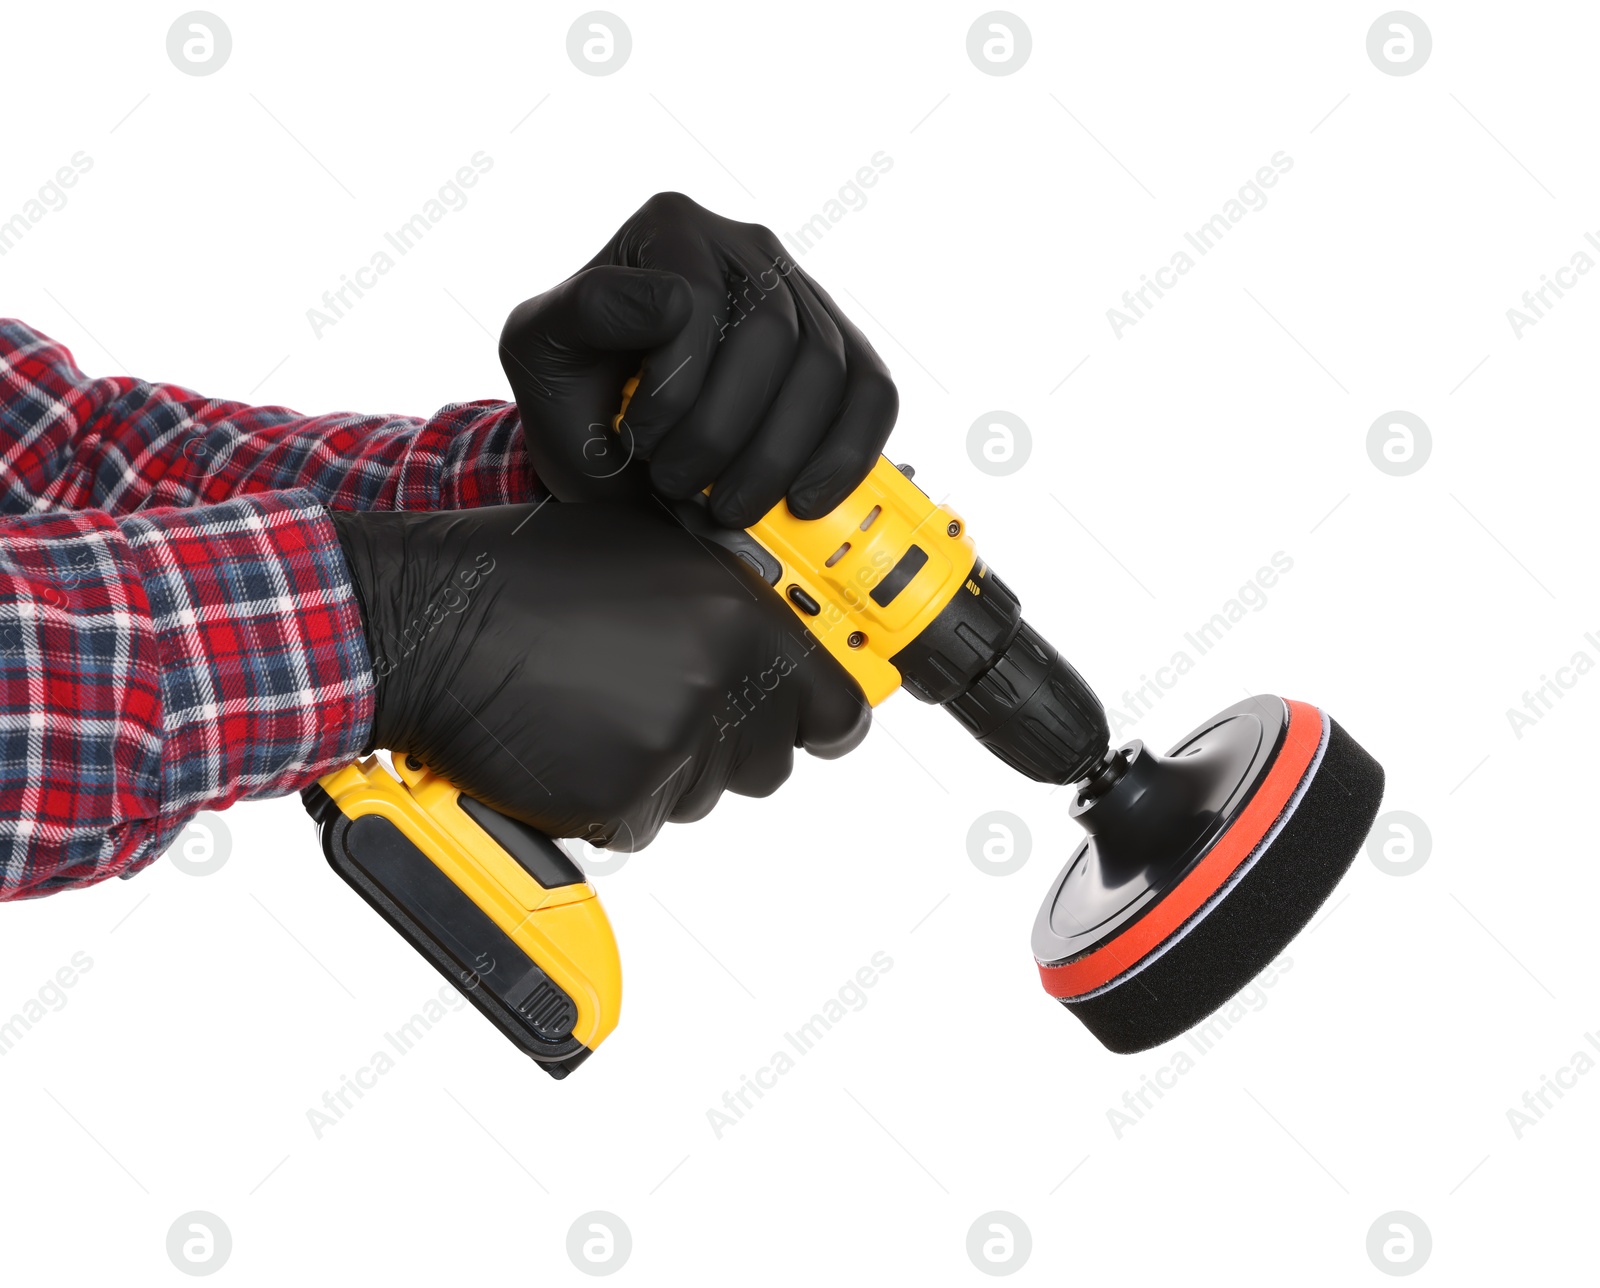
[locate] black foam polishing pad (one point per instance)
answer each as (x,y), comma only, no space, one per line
(1200,866)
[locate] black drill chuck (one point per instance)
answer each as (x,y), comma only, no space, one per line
(1009,687)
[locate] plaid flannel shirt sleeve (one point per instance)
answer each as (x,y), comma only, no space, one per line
(118,444)
(158,661)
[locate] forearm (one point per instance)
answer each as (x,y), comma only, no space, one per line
(164,664)
(119,444)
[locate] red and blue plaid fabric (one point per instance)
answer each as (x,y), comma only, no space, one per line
(158,661)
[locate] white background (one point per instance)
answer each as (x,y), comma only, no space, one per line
(1229,424)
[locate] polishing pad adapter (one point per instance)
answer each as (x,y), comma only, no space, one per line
(1200,866)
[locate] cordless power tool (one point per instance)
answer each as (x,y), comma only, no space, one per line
(1198,868)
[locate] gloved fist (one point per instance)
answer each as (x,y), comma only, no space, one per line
(593,670)
(753,379)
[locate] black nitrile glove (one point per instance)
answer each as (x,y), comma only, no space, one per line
(591,669)
(753,378)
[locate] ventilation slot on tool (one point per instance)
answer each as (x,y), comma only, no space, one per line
(837,555)
(871,517)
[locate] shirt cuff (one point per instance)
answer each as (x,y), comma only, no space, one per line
(266,684)
(481,460)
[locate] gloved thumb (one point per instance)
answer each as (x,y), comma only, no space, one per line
(567,354)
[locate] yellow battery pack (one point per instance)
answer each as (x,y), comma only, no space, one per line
(495,905)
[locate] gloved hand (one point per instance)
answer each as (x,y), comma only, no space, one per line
(591,669)
(753,378)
